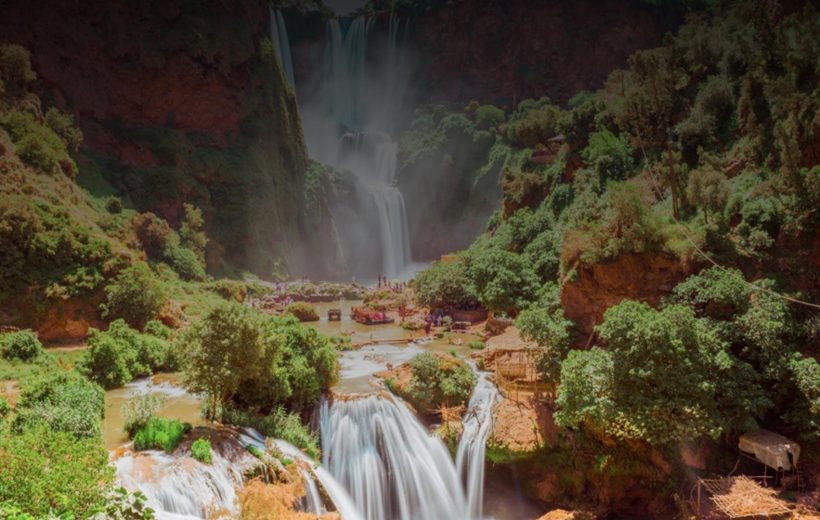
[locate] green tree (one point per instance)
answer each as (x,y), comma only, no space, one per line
(135,296)
(191,233)
(502,281)
(544,323)
(22,345)
(154,234)
(708,189)
(444,284)
(609,155)
(15,69)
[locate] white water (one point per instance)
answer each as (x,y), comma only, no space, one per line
(359,100)
(477,425)
(278,34)
(391,467)
(180,487)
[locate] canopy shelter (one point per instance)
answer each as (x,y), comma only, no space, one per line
(771,449)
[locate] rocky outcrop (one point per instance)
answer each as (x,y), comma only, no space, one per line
(590,290)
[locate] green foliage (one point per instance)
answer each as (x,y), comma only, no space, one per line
(610,156)
(191,234)
(444,284)
(303,311)
(22,345)
(160,433)
(63,125)
(201,450)
(501,280)
(717,293)
(122,505)
(235,354)
(185,262)
(134,296)
(544,323)
(488,116)
(154,234)
(61,401)
(47,470)
(278,424)
(113,205)
(708,189)
(670,377)
(533,124)
(15,70)
(5,408)
(37,144)
(437,382)
(138,410)
(121,354)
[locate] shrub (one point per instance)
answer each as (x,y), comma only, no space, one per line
(137,411)
(544,323)
(439,381)
(153,233)
(160,433)
(46,470)
(278,424)
(158,329)
(5,408)
(476,345)
(303,311)
(63,402)
(610,156)
(185,262)
(232,290)
(445,285)
(708,189)
(191,234)
(63,125)
(135,296)
(502,281)
(113,205)
(201,450)
(488,116)
(15,69)
(22,345)
(536,127)
(37,144)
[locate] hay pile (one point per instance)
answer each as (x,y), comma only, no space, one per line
(740,497)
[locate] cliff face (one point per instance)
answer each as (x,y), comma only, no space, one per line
(179,102)
(504,52)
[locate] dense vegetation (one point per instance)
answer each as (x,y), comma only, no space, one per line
(437,381)
(704,148)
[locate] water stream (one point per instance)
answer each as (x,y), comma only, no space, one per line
(278,34)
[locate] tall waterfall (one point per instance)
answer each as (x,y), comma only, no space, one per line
(359,99)
(279,38)
(389,464)
(477,426)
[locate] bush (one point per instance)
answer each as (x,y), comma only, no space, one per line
(201,450)
(502,281)
(303,311)
(15,69)
(121,354)
(137,411)
(63,125)
(135,296)
(488,116)
(62,402)
(22,345)
(154,234)
(191,234)
(113,205)
(476,345)
(445,285)
(279,424)
(544,323)
(186,263)
(438,381)
(5,408)
(37,144)
(45,470)
(160,433)
(232,290)
(610,156)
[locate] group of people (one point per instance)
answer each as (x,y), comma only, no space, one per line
(435,318)
(396,287)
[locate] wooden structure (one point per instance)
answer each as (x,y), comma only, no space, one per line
(740,497)
(370,317)
(515,372)
(334,315)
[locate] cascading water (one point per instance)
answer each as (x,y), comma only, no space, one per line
(359,98)
(279,38)
(179,488)
(477,426)
(391,467)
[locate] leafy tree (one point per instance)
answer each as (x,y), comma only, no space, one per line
(153,233)
(47,470)
(444,284)
(63,402)
(135,296)
(673,174)
(708,189)
(437,381)
(22,345)
(63,125)
(586,394)
(191,233)
(488,116)
(609,155)
(544,323)
(15,69)
(502,281)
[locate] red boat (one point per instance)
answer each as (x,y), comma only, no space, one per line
(367,316)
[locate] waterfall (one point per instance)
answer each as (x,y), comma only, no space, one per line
(391,467)
(477,426)
(359,99)
(178,487)
(279,38)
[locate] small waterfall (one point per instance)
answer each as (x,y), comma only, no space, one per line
(279,37)
(477,426)
(391,467)
(180,487)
